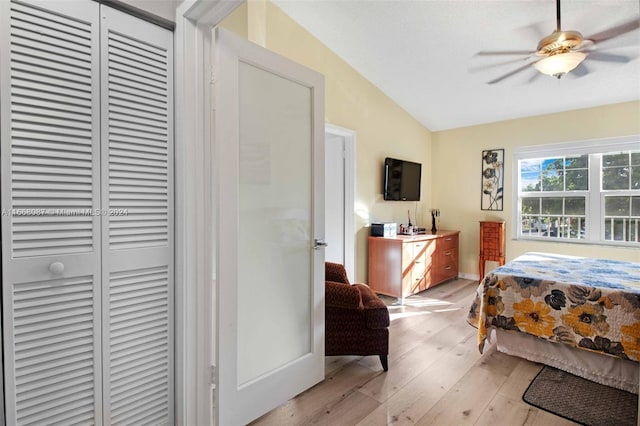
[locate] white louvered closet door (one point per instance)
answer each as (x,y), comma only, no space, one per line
(87,226)
(50,185)
(137,274)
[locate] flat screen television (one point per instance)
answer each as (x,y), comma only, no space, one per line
(401,180)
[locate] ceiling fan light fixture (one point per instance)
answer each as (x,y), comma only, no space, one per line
(560,63)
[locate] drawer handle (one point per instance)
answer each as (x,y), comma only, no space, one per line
(448,253)
(448,239)
(418,261)
(447,268)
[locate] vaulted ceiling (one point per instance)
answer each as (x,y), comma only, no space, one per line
(422,54)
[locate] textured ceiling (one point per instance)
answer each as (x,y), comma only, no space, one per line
(421,54)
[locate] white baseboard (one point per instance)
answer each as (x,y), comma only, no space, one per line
(467,276)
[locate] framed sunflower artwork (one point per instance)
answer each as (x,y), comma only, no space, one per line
(492,180)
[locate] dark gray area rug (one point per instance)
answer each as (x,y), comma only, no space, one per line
(581,400)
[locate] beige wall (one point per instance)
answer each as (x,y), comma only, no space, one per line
(383,128)
(457,173)
(451,159)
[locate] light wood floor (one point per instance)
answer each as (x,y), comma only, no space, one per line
(436,375)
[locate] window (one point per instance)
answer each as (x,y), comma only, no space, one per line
(587,191)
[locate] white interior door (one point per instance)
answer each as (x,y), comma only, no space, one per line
(334,198)
(269,135)
(339,197)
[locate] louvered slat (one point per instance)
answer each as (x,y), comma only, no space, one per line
(138,142)
(42,124)
(139,343)
(72,391)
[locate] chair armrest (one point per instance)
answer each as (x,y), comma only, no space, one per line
(342,295)
(376,312)
(369,299)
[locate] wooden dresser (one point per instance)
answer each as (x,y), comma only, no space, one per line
(403,265)
(492,244)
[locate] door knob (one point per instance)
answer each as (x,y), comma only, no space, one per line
(56,268)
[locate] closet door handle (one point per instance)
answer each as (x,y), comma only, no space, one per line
(56,268)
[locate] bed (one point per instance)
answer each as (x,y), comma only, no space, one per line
(581,315)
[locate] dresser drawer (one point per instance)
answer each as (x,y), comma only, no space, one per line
(446,265)
(411,250)
(448,242)
(419,265)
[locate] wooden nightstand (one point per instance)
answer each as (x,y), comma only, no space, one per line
(492,243)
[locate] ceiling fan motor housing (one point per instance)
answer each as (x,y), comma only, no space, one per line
(559,42)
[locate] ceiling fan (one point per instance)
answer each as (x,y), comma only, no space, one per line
(563,51)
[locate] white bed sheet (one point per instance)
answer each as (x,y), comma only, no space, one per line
(607,370)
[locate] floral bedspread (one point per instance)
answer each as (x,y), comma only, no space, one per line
(591,304)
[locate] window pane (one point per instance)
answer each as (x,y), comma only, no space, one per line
(621,220)
(616,206)
(574,206)
(634,234)
(579,162)
(578,180)
(552,164)
(577,227)
(531,206)
(552,180)
(615,178)
(530,166)
(635,207)
(635,158)
(552,206)
(618,229)
(615,159)
(635,177)
(529,175)
(530,182)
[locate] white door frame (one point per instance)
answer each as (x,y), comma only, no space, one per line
(194,249)
(349,137)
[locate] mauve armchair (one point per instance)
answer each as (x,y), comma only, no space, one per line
(356,320)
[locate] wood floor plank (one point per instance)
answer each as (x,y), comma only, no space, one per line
(519,380)
(507,411)
(405,368)
(426,314)
(305,407)
(414,400)
(347,411)
(466,400)
(436,375)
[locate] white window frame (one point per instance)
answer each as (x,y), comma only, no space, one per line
(594,206)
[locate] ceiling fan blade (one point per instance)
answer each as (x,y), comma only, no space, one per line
(608,57)
(616,31)
(511,73)
(494,65)
(504,52)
